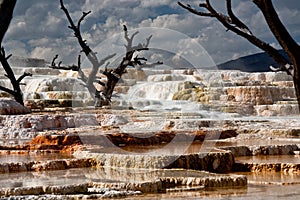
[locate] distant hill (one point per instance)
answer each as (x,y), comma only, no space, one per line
(259,62)
(16,61)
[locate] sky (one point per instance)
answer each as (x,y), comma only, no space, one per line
(39,28)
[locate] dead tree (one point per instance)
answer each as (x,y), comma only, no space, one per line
(234,24)
(102,97)
(6,14)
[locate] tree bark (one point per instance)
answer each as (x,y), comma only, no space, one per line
(284,38)
(6,14)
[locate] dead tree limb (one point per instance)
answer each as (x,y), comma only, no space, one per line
(26,74)
(103,96)
(16,92)
(6,14)
(114,75)
(76,30)
(90,54)
(232,23)
(286,41)
(58,66)
(76,68)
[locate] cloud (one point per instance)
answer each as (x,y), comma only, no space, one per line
(44,52)
(39,27)
(155,3)
(17,48)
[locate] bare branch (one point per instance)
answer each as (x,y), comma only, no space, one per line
(129,39)
(103,97)
(104,60)
(58,66)
(72,25)
(236,26)
(133,35)
(85,48)
(289,45)
(9,91)
(203,5)
(192,10)
(79,61)
(84,14)
(8,57)
(148,41)
(16,92)
(235,20)
(125,28)
(288,68)
(53,61)
(100,83)
(23,76)
(6,10)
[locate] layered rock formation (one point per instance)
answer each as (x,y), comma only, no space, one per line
(45,165)
(263,94)
(214,162)
(28,126)
(267,167)
(166,181)
(152,109)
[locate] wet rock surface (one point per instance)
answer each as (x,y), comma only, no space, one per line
(224,157)
(64,143)
(267,167)
(226,121)
(28,126)
(159,181)
(213,162)
(165,137)
(46,143)
(45,165)
(11,107)
(263,150)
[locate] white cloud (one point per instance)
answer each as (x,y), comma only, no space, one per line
(46,53)
(39,27)
(16,47)
(155,3)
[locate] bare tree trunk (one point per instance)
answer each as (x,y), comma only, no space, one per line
(297,88)
(6,14)
(284,38)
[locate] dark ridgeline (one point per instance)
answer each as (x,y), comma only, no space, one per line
(259,62)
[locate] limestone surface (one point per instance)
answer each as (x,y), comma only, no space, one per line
(11,107)
(29,126)
(213,162)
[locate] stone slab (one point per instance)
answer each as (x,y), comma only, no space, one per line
(214,161)
(152,181)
